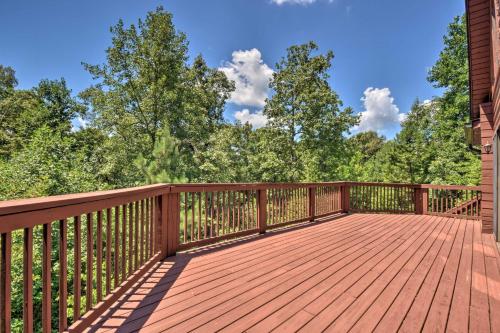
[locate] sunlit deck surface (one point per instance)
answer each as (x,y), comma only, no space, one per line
(355,273)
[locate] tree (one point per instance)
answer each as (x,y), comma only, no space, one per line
(22,112)
(165,166)
(454,161)
(306,112)
(146,85)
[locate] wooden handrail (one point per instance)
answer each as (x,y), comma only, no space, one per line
(113,237)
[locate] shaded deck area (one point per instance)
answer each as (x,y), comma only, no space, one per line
(359,273)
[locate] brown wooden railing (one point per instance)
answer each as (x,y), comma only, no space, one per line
(463,201)
(95,246)
(382,198)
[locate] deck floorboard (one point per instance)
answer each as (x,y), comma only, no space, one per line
(357,273)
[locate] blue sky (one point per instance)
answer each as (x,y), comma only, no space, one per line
(383,49)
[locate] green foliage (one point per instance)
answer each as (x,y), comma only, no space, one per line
(47,165)
(306,113)
(164,167)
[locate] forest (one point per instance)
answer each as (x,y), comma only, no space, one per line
(154,115)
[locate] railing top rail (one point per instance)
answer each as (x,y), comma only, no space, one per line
(10,207)
(451,187)
(25,205)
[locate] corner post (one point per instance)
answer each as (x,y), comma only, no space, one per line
(262,210)
(167,208)
(312,203)
(345,197)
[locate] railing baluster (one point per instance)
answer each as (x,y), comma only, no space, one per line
(90,257)
(123,265)
(46,278)
(5,282)
(136,236)
(116,257)
(142,224)
(108,250)
(77,268)
(63,275)
(99,257)
(28,280)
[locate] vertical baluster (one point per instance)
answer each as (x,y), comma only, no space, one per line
(192,215)
(199,215)
(228,213)
(240,214)
(248,209)
(142,224)
(124,243)
(63,275)
(147,240)
(152,227)
(271,213)
(108,250)
(77,269)
(46,279)
(233,212)
(5,283)
(185,216)
(253,210)
(217,214)
(99,256)
(27,280)
(212,205)
(205,231)
(136,236)
(130,239)
(90,257)
(116,256)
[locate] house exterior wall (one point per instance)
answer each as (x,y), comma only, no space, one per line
(483,18)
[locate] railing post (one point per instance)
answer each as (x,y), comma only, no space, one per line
(425,200)
(312,203)
(262,210)
(173,222)
(421,200)
(167,221)
(345,197)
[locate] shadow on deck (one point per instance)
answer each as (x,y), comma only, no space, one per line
(360,272)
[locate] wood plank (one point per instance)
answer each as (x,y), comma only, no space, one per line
(479,318)
(493,279)
(458,319)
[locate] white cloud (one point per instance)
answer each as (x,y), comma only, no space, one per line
(251,76)
(380,114)
(256,119)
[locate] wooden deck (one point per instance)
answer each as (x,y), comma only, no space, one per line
(356,273)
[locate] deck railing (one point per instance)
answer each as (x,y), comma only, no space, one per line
(95,246)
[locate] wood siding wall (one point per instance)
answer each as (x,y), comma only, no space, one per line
(479,30)
(486,118)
